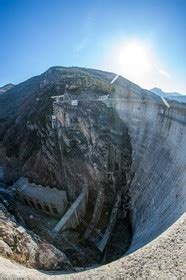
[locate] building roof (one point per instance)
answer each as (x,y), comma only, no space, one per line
(44,194)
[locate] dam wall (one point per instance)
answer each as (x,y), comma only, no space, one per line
(157,191)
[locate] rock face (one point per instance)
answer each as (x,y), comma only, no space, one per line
(27,248)
(83,151)
(80,151)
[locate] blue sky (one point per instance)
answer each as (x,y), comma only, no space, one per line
(143,40)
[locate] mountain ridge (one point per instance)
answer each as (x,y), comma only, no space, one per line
(6,88)
(169,95)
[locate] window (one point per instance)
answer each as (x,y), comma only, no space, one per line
(32,203)
(25,200)
(116,166)
(46,208)
(39,205)
(54,210)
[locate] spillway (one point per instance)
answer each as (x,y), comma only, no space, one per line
(157,180)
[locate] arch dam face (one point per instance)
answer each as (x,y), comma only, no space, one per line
(157,181)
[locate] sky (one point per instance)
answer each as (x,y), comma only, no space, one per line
(142,40)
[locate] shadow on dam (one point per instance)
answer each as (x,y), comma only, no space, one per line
(158,172)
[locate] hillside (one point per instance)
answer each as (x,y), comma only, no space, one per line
(6,88)
(170,95)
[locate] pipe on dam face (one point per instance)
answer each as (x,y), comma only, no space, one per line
(158,138)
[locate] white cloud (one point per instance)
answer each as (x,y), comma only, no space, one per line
(165,73)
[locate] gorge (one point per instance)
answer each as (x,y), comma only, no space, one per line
(120,146)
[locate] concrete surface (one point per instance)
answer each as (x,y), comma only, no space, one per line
(72,217)
(158,190)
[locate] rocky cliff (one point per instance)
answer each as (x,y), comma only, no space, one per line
(26,247)
(75,145)
(28,142)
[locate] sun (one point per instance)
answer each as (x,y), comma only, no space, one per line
(134,58)
(137,61)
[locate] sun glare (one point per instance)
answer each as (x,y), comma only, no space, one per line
(136,61)
(134,58)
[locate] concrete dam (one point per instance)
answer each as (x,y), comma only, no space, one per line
(159,167)
(156,183)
